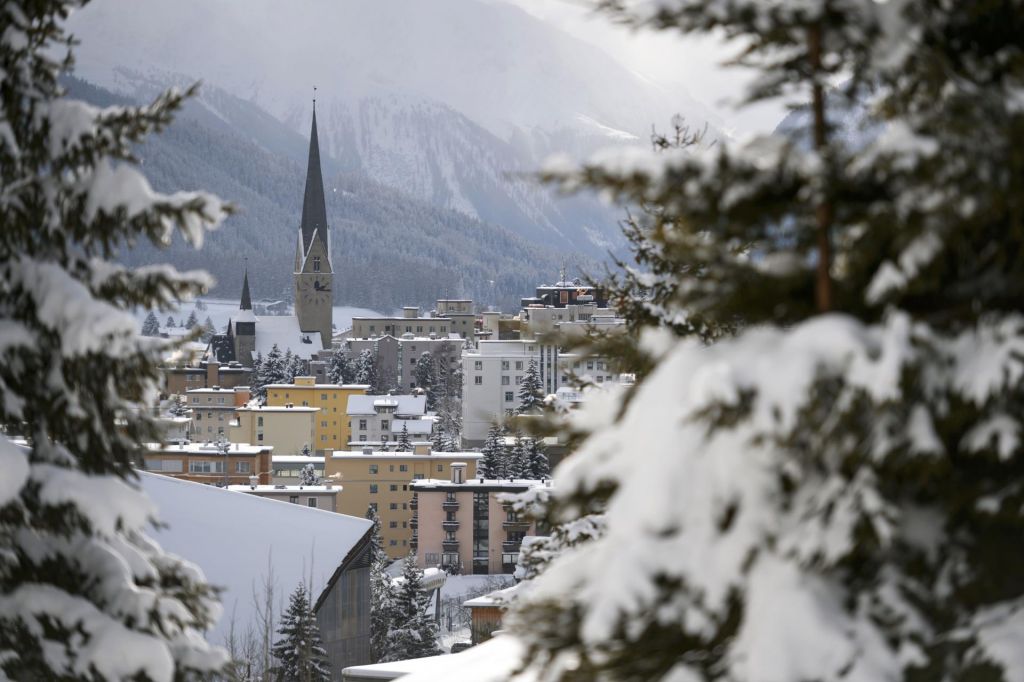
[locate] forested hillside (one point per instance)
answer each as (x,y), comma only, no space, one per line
(388,248)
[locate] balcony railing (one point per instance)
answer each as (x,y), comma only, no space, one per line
(450,525)
(450,505)
(413,504)
(510,546)
(518,523)
(450,545)
(414,523)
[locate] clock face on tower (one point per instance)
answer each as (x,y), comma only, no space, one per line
(315,290)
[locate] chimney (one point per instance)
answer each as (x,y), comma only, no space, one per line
(212,372)
(458,472)
(410,312)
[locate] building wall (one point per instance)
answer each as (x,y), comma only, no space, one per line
(343,615)
(485,620)
(331,424)
(179,465)
(295,495)
(360,473)
(286,429)
(179,380)
(490,378)
(368,327)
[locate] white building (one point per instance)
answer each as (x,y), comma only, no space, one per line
(376,420)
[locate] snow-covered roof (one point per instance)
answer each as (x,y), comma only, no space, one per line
(433,578)
(435,455)
(498,597)
(493,661)
(297,459)
(284,330)
(406,404)
(286,489)
(204,526)
(210,448)
(277,408)
(518,483)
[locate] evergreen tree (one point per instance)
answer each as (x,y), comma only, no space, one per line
(340,370)
(833,495)
(426,379)
(308,475)
(84,593)
(306,451)
(493,464)
(288,367)
(366,369)
(192,322)
(437,439)
(537,459)
(272,370)
(177,407)
(208,329)
(376,542)
(404,444)
(299,652)
(382,594)
(170,322)
(151,326)
(531,394)
(413,632)
(257,389)
(517,459)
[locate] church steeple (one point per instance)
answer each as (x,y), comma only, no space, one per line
(246,303)
(314,209)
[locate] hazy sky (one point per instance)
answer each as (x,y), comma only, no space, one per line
(665,58)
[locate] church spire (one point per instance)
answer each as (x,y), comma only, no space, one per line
(314,209)
(246,299)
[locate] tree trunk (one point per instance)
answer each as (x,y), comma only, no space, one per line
(823,211)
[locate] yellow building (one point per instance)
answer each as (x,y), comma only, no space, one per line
(382,479)
(332,427)
(287,429)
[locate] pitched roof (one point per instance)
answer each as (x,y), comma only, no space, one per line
(246,303)
(406,404)
(314,208)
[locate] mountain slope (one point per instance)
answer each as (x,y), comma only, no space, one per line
(388,249)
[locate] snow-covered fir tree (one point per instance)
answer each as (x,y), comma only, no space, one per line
(537,459)
(170,322)
(815,476)
(340,369)
(517,462)
(257,388)
(437,439)
(151,325)
(192,322)
(308,475)
(493,463)
(271,370)
(413,632)
(208,330)
(299,653)
(366,370)
(85,594)
(306,451)
(426,378)
(404,444)
(176,406)
(382,591)
(531,392)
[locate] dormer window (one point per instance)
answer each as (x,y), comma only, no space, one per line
(316,263)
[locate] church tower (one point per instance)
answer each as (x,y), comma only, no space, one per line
(243,327)
(314,295)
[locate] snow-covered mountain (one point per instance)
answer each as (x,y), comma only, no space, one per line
(450,100)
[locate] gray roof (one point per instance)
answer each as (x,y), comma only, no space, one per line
(407,404)
(314,209)
(246,303)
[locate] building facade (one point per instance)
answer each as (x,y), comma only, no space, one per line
(462,525)
(288,428)
(312,496)
(213,410)
(382,479)
(288,468)
(378,420)
(331,400)
(179,379)
(216,464)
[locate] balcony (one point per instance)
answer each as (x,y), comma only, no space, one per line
(413,504)
(516,524)
(450,505)
(414,523)
(450,545)
(450,525)
(511,546)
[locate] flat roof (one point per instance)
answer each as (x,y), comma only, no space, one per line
(335,386)
(279,408)
(209,448)
(407,455)
(333,490)
(487,482)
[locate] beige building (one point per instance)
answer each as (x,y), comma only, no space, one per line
(382,479)
(288,428)
(288,468)
(462,525)
(312,496)
(409,323)
(213,410)
(232,464)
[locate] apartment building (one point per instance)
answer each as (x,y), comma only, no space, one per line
(331,426)
(461,523)
(460,312)
(214,463)
(382,479)
(178,379)
(288,428)
(213,410)
(287,469)
(397,356)
(378,420)
(409,323)
(312,496)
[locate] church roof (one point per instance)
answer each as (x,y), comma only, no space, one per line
(246,298)
(314,208)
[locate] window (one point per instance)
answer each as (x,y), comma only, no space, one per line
(373,488)
(478,365)
(259,421)
(478,380)
(393,506)
(384,438)
(590,364)
(419,328)
(393,487)
(385,424)
(373,468)
(316,263)
(505,381)
(600,364)
(294,499)
(412,361)
(403,467)
(393,524)
(391,468)
(205,466)
(519,379)
(311,502)
(199,416)
(243,467)
(362,424)
(405,524)
(323,396)
(509,396)
(323,438)
(600,379)
(415,477)
(440,467)
(392,543)
(504,365)
(323,423)
(362,438)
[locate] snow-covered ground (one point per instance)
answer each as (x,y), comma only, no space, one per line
(220,310)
